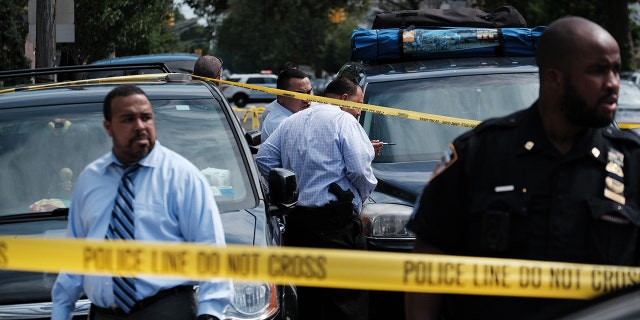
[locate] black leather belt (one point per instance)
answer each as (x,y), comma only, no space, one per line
(144,303)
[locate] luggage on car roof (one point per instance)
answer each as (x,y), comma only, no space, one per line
(396,44)
(444,33)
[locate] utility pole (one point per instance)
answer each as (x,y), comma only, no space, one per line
(45,37)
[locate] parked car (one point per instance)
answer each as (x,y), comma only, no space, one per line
(628,114)
(48,135)
(468,88)
(241,96)
(176,62)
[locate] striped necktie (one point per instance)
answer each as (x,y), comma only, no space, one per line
(121,227)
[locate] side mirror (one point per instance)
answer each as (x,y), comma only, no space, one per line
(283,188)
(254,138)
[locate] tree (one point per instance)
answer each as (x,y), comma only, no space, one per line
(120,27)
(337,46)
(13,33)
(209,9)
(395,5)
(613,16)
(191,35)
(255,36)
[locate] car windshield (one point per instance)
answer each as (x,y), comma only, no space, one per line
(476,97)
(44,148)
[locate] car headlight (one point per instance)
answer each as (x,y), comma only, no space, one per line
(253,300)
(386,220)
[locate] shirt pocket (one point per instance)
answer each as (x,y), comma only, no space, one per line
(613,234)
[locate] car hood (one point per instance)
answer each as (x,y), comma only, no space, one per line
(403,180)
(244,227)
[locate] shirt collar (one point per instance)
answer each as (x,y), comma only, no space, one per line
(281,109)
(152,159)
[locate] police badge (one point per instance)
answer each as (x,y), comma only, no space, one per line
(614,181)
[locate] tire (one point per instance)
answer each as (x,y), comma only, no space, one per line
(240,100)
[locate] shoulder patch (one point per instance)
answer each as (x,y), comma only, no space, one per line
(449,156)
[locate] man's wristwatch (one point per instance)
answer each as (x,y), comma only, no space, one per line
(207,317)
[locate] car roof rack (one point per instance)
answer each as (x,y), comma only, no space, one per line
(83,68)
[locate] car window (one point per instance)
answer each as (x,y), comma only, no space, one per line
(43,149)
(184,66)
(255,80)
(119,73)
(270,80)
(629,96)
(216,152)
(477,97)
(628,113)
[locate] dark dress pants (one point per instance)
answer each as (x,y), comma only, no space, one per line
(177,305)
(324,228)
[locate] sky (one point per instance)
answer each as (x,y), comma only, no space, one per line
(185,9)
(187,12)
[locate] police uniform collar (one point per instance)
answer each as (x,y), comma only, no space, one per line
(530,133)
(532,138)
(593,144)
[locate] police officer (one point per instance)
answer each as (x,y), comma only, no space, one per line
(553,182)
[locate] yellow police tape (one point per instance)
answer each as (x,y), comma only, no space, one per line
(408,114)
(140,77)
(631,125)
(317,267)
(255,112)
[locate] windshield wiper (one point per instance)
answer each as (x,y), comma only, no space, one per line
(56,214)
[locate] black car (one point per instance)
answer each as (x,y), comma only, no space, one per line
(176,62)
(467,88)
(618,305)
(49,133)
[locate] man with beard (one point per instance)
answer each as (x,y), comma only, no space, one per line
(554,182)
(141,191)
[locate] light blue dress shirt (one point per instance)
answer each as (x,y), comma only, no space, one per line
(266,110)
(173,203)
(274,114)
(321,144)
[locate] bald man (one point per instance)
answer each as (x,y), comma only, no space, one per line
(554,182)
(208,67)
